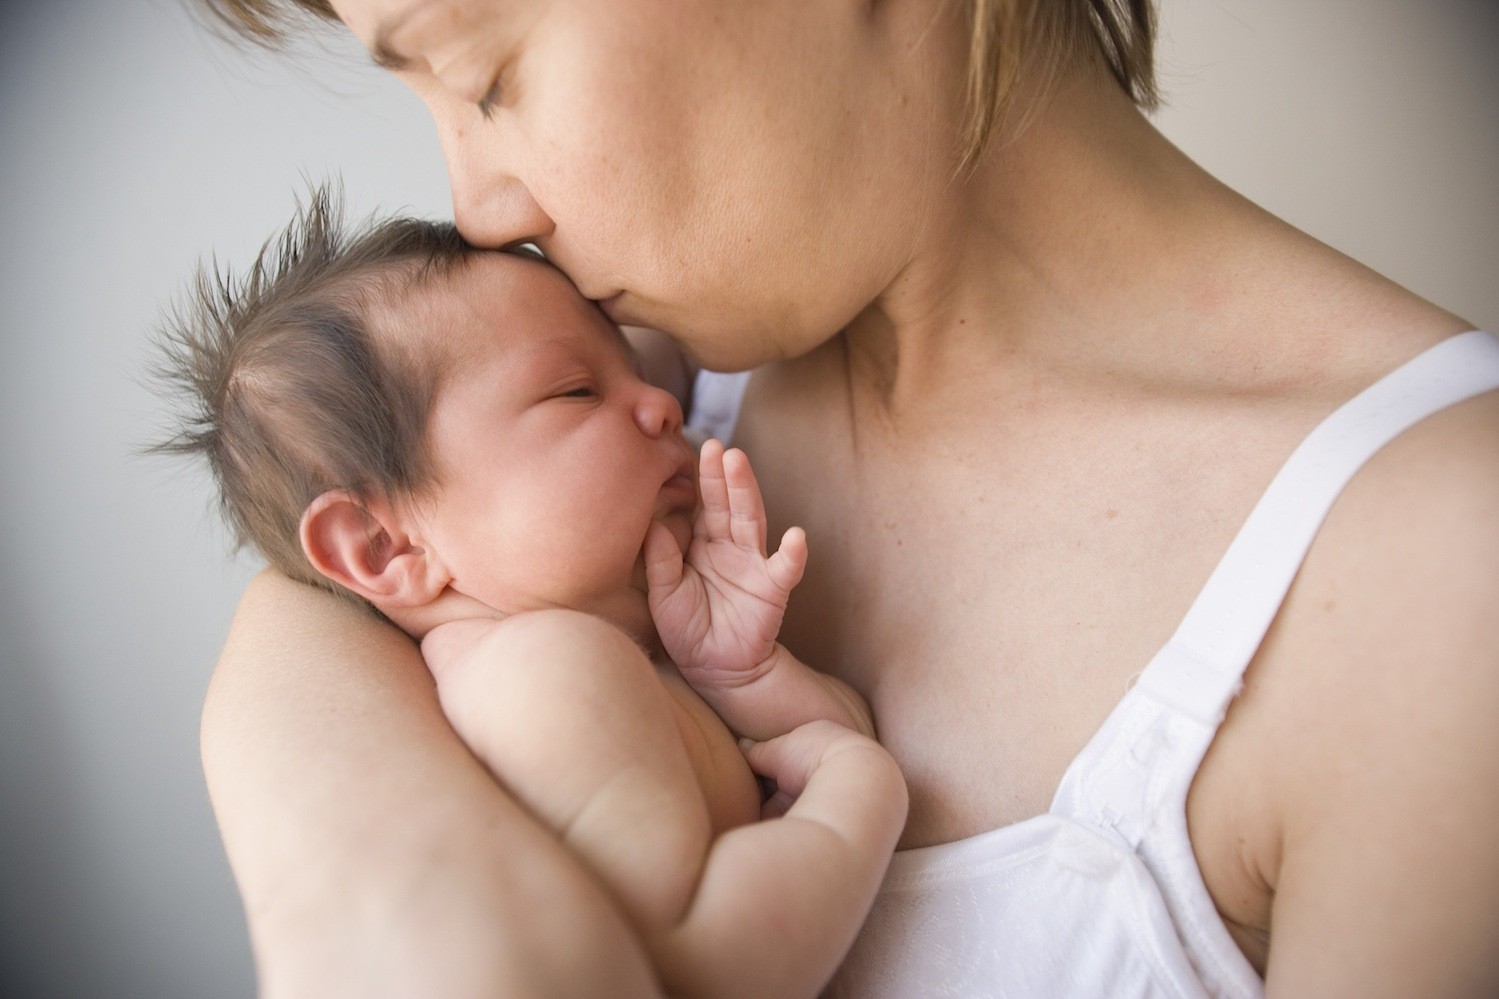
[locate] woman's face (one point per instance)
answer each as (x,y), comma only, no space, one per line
(744,176)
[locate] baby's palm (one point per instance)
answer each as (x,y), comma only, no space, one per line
(722,609)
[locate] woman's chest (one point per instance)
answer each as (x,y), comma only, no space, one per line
(992,593)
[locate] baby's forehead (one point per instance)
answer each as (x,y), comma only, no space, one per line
(488,292)
(490,302)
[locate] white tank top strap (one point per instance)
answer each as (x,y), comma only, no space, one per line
(1198,672)
(716,397)
(1132,779)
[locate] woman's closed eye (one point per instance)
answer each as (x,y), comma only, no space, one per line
(489,101)
(501,89)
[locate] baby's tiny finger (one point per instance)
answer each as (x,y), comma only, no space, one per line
(714,489)
(777,805)
(746,508)
(790,560)
(785,760)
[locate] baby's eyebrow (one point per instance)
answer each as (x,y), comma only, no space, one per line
(631,354)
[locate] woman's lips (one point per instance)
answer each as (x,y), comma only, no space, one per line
(610,306)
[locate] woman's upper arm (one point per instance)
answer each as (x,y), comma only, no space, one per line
(374,854)
(1389,877)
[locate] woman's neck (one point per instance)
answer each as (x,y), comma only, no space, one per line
(1084,238)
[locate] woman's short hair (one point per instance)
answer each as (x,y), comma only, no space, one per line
(1031,40)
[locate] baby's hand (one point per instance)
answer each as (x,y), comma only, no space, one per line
(722,610)
(863,777)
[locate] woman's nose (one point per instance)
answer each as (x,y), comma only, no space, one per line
(657,412)
(492,205)
(497,211)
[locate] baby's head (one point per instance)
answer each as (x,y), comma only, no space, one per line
(439,431)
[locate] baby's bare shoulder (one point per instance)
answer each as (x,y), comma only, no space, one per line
(560,704)
(557,668)
(569,647)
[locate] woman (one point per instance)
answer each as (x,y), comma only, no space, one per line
(1022,371)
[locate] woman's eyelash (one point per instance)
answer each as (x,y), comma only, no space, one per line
(487,103)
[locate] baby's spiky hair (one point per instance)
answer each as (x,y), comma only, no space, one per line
(286,391)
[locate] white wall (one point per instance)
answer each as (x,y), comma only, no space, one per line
(1371,124)
(133,143)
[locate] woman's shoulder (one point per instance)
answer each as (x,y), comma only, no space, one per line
(1408,553)
(1375,698)
(1402,574)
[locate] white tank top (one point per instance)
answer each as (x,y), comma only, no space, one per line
(1102,896)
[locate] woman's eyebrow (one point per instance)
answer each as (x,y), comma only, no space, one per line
(380,49)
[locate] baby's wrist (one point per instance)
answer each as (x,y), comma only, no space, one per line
(777,660)
(734,677)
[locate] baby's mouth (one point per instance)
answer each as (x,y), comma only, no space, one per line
(681,485)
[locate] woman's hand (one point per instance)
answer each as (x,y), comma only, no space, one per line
(721,610)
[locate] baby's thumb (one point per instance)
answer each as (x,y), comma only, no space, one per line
(790,759)
(663,559)
(790,560)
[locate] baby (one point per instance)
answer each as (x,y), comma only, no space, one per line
(461,440)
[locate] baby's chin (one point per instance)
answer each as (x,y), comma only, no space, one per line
(630,612)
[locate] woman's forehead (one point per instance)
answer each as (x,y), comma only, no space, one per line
(394,31)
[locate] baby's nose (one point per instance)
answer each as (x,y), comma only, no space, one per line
(657,412)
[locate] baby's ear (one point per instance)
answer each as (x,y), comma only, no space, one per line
(364,546)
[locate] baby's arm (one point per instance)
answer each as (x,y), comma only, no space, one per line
(780,901)
(568,714)
(718,611)
(585,736)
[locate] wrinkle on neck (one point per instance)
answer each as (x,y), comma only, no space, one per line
(1063,248)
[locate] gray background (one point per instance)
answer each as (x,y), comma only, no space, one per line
(133,143)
